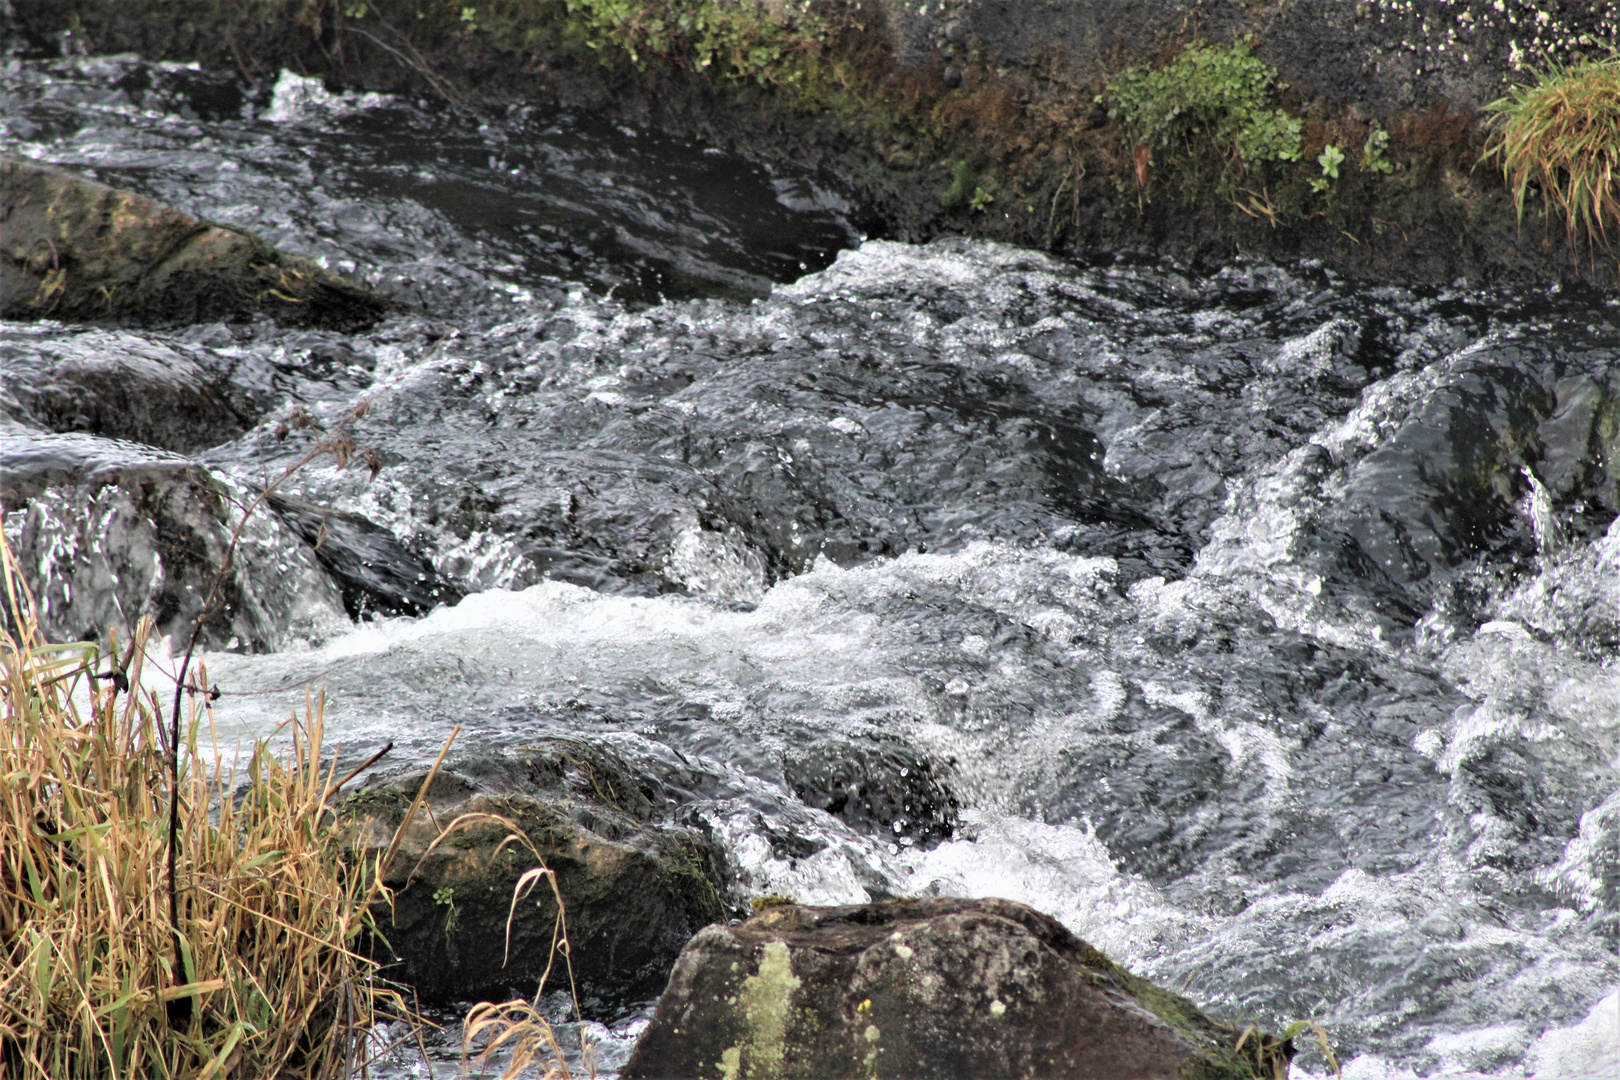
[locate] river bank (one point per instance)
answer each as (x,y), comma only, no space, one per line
(972,118)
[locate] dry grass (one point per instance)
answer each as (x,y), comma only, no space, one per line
(269,982)
(1561,134)
(269,985)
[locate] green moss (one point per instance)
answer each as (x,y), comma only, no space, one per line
(759,903)
(1222,1060)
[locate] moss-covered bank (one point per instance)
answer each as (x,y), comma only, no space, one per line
(937,129)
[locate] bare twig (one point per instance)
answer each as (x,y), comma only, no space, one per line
(414,62)
(335,438)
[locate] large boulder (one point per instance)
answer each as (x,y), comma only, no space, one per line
(75,249)
(119,385)
(923,989)
(107,531)
(634,885)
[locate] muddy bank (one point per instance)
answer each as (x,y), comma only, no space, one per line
(983,117)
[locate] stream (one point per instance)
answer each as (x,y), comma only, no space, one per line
(1260,625)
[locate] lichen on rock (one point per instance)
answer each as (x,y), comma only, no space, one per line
(923,989)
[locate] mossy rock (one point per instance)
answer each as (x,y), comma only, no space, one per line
(78,250)
(635,887)
(925,989)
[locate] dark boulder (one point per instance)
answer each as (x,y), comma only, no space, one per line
(117,385)
(921,989)
(883,787)
(634,885)
(112,530)
(76,249)
(378,574)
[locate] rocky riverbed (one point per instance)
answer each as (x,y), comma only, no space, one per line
(1254,623)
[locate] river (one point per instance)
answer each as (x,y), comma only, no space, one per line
(1258,624)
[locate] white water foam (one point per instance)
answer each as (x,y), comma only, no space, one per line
(298,98)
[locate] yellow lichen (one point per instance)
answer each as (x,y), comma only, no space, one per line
(764,1001)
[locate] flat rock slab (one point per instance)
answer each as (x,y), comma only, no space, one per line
(77,250)
(924,989)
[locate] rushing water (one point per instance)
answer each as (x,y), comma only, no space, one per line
(1260,626)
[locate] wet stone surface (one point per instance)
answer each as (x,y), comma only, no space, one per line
(1257,625)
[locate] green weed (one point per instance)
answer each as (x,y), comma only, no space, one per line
(1208,100)
(740,41)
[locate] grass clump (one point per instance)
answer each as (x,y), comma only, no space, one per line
(1561,136)
(1210,100)
(267,982)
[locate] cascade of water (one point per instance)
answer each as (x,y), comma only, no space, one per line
(1258,625)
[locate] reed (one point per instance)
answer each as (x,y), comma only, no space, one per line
(269,982)
(1561,135)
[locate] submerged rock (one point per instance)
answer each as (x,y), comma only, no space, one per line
(920,989)
(886,788)
(635,886)
(117,385)
(76,249)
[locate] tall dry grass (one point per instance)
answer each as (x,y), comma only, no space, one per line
(269,982)
(1561,135)
(270,979)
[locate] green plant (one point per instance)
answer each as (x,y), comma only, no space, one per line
(1561,135)
(1374,152)
(741,41)
(1330,159)
(964,187)
(445,896)
(1209,99)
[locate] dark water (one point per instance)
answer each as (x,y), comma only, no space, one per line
(1259,625)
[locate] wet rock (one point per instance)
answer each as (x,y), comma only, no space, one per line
(378,574)
(117,385)
(635,886)
(107,531)
(921,989)
(887,789)
(75,249)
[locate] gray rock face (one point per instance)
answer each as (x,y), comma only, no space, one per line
(117,385)
(635,886)
(378,574)
(919,989)
(107,531)
(1378,54)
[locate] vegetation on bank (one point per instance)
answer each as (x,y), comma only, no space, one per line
(262,977)
(1201,147)
(1560,136)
